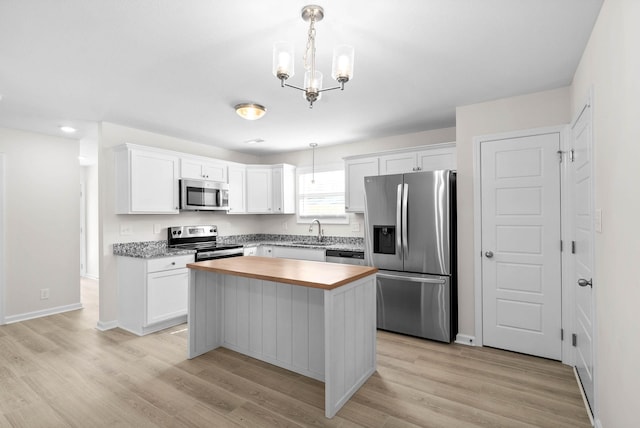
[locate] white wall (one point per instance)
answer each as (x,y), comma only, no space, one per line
(92,215)
(541,109)
(611,66)
(42,218)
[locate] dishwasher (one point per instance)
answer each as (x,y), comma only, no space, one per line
(345,257)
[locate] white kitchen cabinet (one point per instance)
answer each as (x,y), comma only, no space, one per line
(298,253)
(355,170)
(250,251)
(237,189)
(203,169)
(146,180)
(270,189)
(152,293)
(265,251)
(440,156)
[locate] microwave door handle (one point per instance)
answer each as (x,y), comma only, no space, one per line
(399,220)
(218,198)
(405,220)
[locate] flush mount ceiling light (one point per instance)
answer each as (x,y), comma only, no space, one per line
(250,111)
(342,69)
(68,129)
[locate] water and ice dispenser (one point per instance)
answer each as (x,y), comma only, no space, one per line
(384,239)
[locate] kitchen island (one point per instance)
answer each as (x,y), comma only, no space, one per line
(314,318)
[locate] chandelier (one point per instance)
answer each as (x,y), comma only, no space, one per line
(341,70)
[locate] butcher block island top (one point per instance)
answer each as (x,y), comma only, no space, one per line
(305,273)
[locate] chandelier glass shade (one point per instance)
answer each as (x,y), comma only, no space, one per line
(283,61)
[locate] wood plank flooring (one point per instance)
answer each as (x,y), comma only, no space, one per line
(60,371)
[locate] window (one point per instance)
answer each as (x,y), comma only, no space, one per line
(324,198)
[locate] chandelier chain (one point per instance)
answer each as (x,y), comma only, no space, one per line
(311,46)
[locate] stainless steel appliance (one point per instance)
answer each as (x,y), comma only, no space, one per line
(202,195)
(345,257)
(202,239)
(410,222)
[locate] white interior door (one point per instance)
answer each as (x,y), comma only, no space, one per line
(583,250)
(521,256)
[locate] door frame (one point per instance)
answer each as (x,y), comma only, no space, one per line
(3,216)
(565,227)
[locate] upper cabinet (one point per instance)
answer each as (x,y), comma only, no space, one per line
(355,170)
(146,180)
(424,158)
(270,189)
(203,169)
(430,159)
(237,189)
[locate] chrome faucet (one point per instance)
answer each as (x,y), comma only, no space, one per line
(319,229)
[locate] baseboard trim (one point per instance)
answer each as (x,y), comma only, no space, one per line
(584,399)
(104,326)
(43,313)
(464,339)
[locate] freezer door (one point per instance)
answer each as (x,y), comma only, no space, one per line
(418,305)
(383,244)
(427,228)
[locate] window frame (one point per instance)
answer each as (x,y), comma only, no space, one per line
(344,219)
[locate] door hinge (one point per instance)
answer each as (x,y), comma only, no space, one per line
(560,153)
(561,246)
(573,247)
(562,334)
(572,155)
(574,339)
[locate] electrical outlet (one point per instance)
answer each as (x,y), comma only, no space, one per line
(157,228)
(126,230)
(355,227)
(44,294)
(284,225)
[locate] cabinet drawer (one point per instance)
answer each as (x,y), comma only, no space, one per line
(166,263)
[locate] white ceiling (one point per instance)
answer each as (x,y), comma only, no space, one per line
(179,67)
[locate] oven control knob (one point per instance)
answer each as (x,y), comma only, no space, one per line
(212,230)
(179,232)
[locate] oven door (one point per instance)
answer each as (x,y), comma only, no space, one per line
(218,254)
(198,195)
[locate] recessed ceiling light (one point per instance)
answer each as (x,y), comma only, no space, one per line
(68,129)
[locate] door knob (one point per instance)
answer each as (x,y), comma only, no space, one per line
(584,282)
(489,254)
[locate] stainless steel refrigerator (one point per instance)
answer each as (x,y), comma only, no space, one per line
(410,222)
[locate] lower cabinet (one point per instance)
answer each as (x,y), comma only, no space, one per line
(299,253)
(152,293)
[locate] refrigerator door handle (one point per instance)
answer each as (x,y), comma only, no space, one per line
(405,218)
(399,220)
(412,278)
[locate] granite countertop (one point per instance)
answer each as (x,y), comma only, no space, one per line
(154,249)
(148,250)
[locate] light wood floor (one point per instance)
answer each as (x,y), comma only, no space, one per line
(59,371)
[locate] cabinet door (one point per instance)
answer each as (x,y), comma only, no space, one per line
(265,251)
(259,191)
(215,171)
(154,185)
(191,168)
(237,190)
(167,293)
(398,163)
(432,160)
(277,190)
(299,253)
(355,172)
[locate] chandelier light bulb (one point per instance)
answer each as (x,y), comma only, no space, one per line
(283,66)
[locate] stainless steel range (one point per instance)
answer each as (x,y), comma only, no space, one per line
(202,239)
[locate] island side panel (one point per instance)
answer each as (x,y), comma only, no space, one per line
(279,323)
(350,340)
(205,313)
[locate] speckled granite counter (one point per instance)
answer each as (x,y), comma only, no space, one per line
(147,250)
(153,249)
(301,241)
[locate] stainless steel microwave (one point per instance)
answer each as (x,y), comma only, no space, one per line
(201,195)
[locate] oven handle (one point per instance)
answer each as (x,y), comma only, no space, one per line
(236,251)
